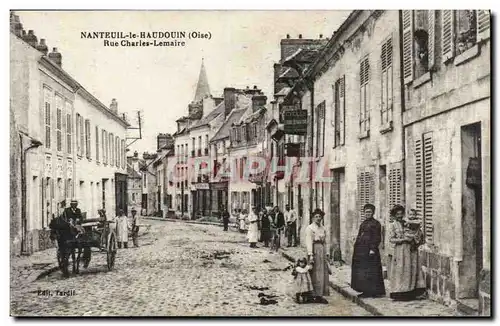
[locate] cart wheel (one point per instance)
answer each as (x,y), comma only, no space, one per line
(87,255)
(63,261)
(111,251)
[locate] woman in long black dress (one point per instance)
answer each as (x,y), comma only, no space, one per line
(367,276)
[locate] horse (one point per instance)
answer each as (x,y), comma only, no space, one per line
(67,237)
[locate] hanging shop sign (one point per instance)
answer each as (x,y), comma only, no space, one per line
(295,122)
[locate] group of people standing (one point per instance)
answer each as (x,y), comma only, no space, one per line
(312,273)
(266,225)
(405,236)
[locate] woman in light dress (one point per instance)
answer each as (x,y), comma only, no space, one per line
(122,227)
(406,279)
(253,228)
(317,251)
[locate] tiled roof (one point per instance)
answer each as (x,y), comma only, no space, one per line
(225,130)
(209,117)
(177,133)
(254,116)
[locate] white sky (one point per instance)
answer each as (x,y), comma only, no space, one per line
(162,81)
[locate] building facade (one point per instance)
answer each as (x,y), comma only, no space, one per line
(394,100)
(134,182)
(55,120)
(447,141)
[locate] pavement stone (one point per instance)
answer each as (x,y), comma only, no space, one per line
(180,269)
(340,281)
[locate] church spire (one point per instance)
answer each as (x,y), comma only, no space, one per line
(202,88)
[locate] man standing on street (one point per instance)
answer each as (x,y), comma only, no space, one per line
(279,221)
(225,218)
(135,228)
(291,225)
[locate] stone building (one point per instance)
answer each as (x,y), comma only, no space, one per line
(134,182)
(394,100)
(446,122)
(295,55)
(57,119)
(186,192)
(149,199)
(247,136)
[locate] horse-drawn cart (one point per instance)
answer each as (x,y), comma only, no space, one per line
(93,233)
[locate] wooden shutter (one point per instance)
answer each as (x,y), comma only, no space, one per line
(483,24)
(407,45)
(431,25)
(419,199)
(342,110)
(366,190)
(396,184)
(447,34)
(428,197)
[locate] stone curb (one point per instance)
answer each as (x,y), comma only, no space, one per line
(45,272)
(346,291)
(181,221)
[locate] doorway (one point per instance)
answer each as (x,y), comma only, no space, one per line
(337,211)
(472,215)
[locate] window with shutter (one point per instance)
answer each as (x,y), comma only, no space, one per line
(58,127)
(339,111)
(87,138)
(69,132)
(47,101)
(111,149)
(117,152)
(387,87)
(431,25)
(82,137)
(447,35)
(407,17)
(366,190)
(419,187)
(97,143)
(428,194)
(396,184)
(483,25)
(364,76)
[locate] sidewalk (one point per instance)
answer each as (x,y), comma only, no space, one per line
(26,269)
(339,281)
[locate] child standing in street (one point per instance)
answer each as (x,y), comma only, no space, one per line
(303,282)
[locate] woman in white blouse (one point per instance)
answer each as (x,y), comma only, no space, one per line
(317,251)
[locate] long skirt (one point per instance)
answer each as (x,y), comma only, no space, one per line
(366,272)
(319,273)
(406,279)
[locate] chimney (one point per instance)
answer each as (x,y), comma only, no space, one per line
(31,38)
(258,101)
(165,140)
(300,35)
(320,35)
(15,24)
(218,100)
(56,57)
(42,47)
(287,35)
(114,106)
(229,100)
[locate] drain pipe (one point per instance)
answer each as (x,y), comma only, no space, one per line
(24,221)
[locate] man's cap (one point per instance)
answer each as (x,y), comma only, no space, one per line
(74,201)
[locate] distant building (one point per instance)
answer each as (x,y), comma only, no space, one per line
(134,182)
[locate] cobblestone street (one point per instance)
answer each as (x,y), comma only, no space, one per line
(180,269)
